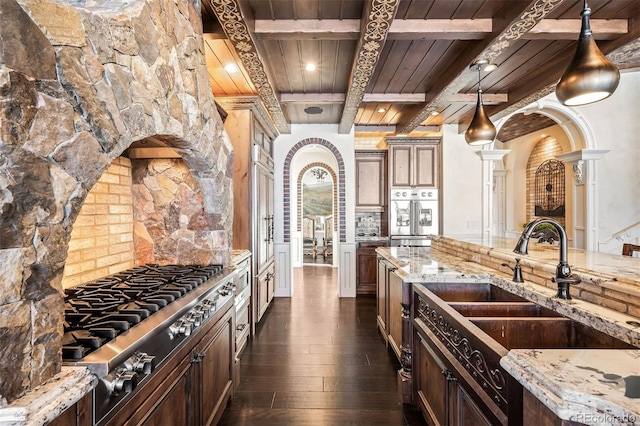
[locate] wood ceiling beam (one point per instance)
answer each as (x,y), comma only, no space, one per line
(446,88)
(236,20)
(376,20)
(568,29)
(431,29)
(392,98)
(622,56)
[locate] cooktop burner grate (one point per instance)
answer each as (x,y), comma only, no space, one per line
(100,310)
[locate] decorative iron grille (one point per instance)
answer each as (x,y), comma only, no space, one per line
(549,189)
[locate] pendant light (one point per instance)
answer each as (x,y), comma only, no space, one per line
(481,131)
(590,76)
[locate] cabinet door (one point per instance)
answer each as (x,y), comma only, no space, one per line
(426,166)
(463,410)
(262,218)
(370,180)
(395,313)
(432,384)
(271,284)
(366,272)
(381,283)
(216,369)
(270,210)
(175,407)
(401,170)
(262,289)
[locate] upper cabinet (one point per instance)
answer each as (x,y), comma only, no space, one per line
(414,162)
(371,180)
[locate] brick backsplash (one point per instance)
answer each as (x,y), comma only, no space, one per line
(102,236)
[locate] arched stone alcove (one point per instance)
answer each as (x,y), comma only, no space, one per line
(76,89)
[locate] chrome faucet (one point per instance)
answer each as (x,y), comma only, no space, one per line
(563,271)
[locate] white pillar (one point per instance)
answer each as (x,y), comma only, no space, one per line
(488,157)
(584,208)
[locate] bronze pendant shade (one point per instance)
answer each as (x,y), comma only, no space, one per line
(590,76)
(481,131)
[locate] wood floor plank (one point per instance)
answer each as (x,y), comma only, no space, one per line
(316,359)
(378,401)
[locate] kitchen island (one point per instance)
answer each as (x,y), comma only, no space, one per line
(591,386)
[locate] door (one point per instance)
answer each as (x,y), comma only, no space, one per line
(263,217)
(433,384)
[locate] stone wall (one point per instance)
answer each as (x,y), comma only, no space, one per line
(78,85)
(170,221)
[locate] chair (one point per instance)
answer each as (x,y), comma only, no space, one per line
(629,249)
(327,243)
(309,242)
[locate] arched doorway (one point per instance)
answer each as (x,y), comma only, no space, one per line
(573,135)
(317,208)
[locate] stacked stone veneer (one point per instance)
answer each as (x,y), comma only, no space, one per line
(102,237)
(78,85)
(598,289)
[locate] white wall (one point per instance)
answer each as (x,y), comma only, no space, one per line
(615,123)
(461,185)
(344,143)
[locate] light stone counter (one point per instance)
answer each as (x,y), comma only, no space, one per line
(575,384)
(44,403)
(238,256)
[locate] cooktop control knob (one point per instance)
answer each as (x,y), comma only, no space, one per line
(194,317)
(141,363)
(180,328)
(204,309)
(124,381)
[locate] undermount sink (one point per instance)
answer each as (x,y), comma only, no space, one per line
(545,333)
(517,323)
(502,309)
(472,292)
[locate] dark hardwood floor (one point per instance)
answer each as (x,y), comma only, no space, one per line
(318,360)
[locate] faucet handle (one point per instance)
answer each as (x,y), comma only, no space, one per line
(564,284)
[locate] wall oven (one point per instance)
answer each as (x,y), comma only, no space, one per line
(413,216)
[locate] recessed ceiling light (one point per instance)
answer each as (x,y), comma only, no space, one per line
(231,68)
(382,110)
(434,113)
(310,67)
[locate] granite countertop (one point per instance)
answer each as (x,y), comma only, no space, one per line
(622,269)
(576,384)
(238,256)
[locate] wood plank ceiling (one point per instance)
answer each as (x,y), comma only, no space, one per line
(402,66)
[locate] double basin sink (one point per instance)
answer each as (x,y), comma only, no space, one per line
(516,323)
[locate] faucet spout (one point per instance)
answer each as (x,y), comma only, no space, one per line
(563,271)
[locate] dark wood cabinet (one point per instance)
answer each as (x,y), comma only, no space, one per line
(371,180)
(253,186)
(414,162)
(382,290)
(367,264)
(194,385)
(79,414)
(265,290)
(394,298)
(432,383)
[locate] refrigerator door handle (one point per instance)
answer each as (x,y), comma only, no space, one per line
(414,217)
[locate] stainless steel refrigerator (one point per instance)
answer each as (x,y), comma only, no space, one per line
(413,216)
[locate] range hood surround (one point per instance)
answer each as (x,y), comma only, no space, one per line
(76,89)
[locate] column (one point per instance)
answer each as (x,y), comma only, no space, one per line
(583,191)
(488,157)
